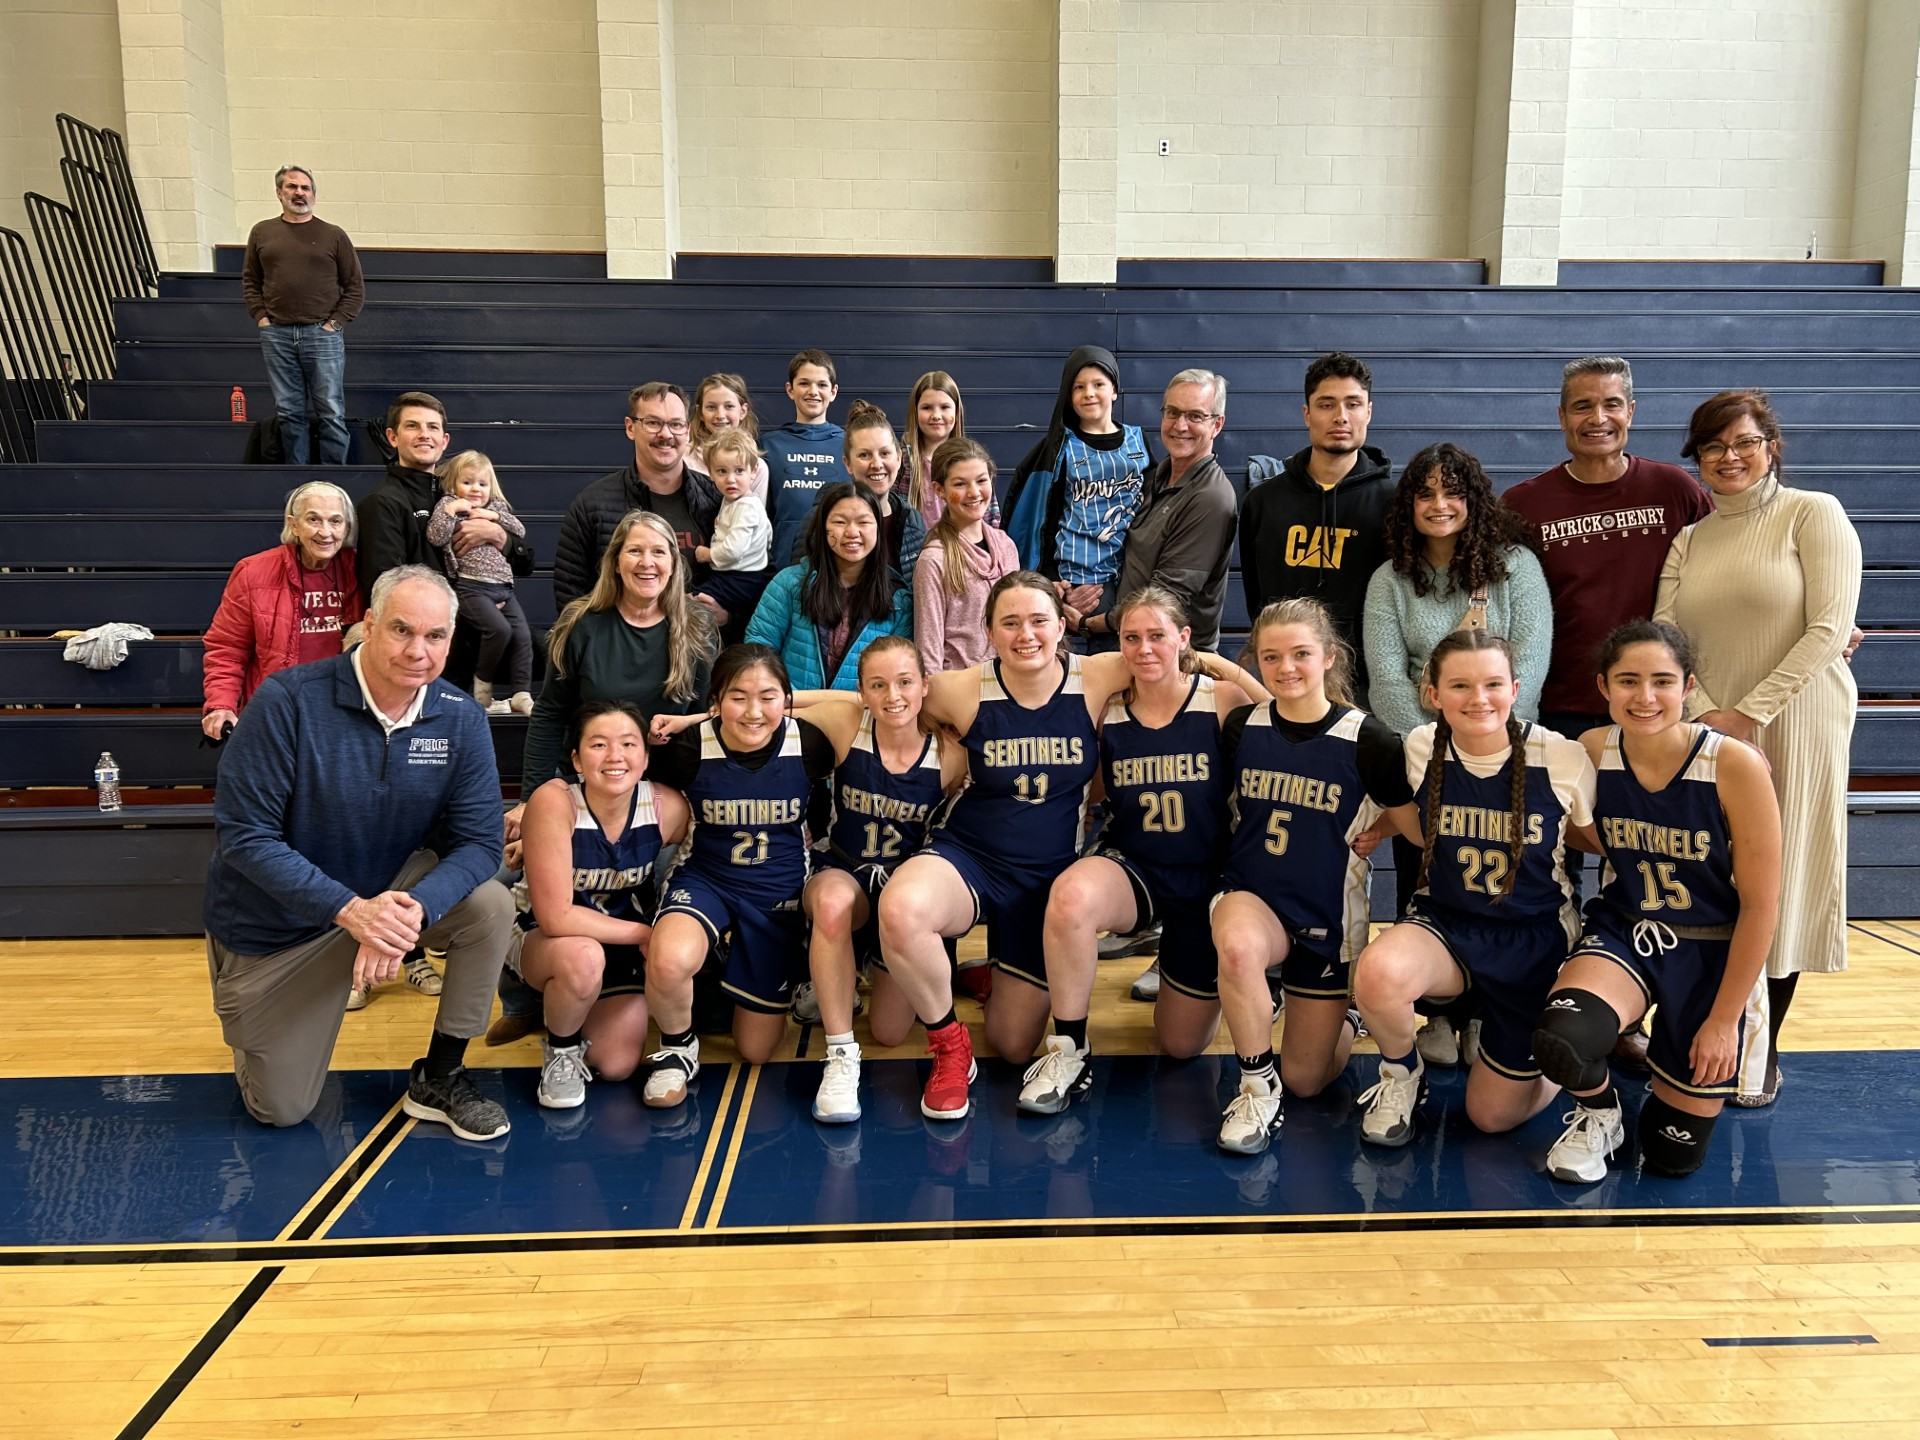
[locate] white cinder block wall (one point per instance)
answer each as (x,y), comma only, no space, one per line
(432,123)
(1712,128)
(867,126)
(1298,127)
(55,55)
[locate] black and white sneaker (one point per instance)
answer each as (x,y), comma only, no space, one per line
(455,1102)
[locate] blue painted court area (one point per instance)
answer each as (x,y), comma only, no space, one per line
(611,1164)
(158,1159)
(169,1159)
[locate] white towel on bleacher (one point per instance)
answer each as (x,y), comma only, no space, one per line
(104,646)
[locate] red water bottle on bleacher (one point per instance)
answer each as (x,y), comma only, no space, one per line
(239,404)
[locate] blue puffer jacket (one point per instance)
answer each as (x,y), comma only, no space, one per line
(780,622)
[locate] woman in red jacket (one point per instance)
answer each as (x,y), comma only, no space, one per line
(284,606)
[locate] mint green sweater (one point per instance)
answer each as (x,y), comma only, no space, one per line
(1401,630)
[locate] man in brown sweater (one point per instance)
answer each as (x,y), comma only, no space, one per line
(302,284)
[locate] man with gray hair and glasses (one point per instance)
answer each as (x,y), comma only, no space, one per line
(1182,533)
(358,815)
(302,283)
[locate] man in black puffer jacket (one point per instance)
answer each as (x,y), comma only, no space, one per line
(658,480)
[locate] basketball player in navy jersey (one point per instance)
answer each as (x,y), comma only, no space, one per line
(1315,783)
(1499,800)
(747,772)
(590,850)
(1159,860)
(894,773)
(1690,829)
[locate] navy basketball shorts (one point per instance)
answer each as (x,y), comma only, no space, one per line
(1178,900)
(1012,900)
(1679,970)
(1511,963)
(766,955)
(1313,969)
(871,879)
(624,971)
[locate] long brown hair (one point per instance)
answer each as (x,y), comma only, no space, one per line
(946,530)
(725,380)
(916,443)
(1431,785)
(690,631)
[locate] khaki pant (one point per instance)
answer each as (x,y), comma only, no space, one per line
(281,1013)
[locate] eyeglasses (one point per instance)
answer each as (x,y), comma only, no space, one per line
(1192,417)
(656,427)
(1746,447)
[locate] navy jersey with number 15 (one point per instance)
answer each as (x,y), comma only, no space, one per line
(1669,855)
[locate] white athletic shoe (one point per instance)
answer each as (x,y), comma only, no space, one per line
(1253,1116)
(1437,1042)
(1390,1103)
(500,707)
(1059,1077)
(673,1070)
(837,1101)
(1583,1149)
(1470,1043)
(521,703)
(422,976)
(805,1005)
(358,997)
(1147,987)
(563,1076)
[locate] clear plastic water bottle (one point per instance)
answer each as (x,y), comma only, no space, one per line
(106,777)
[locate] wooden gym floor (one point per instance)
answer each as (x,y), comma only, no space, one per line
(169,1268)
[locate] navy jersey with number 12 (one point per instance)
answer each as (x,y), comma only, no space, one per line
(880,818)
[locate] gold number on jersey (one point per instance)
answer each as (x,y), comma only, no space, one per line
(749,847)
(1663,888)
(1030,789)
(883,842)
(1277,831)
(1483,871)
(1166,812)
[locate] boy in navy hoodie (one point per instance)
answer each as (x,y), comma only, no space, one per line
(803,457)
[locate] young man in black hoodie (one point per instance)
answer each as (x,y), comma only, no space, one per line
(393,518)
(1319,527)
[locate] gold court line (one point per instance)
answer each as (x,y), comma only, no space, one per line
(733,1151)
(346,1200)
(713,1146)
(339,1170)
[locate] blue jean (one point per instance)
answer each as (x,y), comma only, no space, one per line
(307,367)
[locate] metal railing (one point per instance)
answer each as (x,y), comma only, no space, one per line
(33,377)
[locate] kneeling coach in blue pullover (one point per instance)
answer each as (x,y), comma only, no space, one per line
(357,815)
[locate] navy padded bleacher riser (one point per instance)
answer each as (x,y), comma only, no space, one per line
(1888,665)
(67,874)
(1886,740)
(999,408)
(170,542)
(184,489)
(1692,273)
(1889,600)
(59,747)
(473,264)
(881,372)
(180,603)
(222,442)
(617,295)
(1883,836)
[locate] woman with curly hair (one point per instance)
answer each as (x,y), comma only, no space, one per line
(1457,559)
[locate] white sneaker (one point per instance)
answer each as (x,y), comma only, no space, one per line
(1147,987)
(563,1076)
(483,692)
(1583,1149)
(422,976)
(1059,1077)
(521,703)
(837,1101)
(499,707)
(1390,1103)
(673,1070)
(358,997)
(1470,1043)
(1437,1042)
(806,1004)
(1253,1116)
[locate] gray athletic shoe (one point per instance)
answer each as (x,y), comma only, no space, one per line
(563,1076)
(455,1102)
(1141,942)
(1438,1042)
(1147,987)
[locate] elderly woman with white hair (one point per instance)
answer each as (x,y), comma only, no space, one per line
(284,606)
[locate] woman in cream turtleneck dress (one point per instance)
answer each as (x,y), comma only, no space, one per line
(1767,587)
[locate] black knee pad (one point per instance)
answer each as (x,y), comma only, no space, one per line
(1576,1034)
(1673,1142)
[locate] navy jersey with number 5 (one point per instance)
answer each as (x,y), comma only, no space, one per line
(1028,772)
(1669,853)
(1167,786)
(880,818)
(749,826)
(1297,806)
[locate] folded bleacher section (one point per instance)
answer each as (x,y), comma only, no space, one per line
(137,512)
